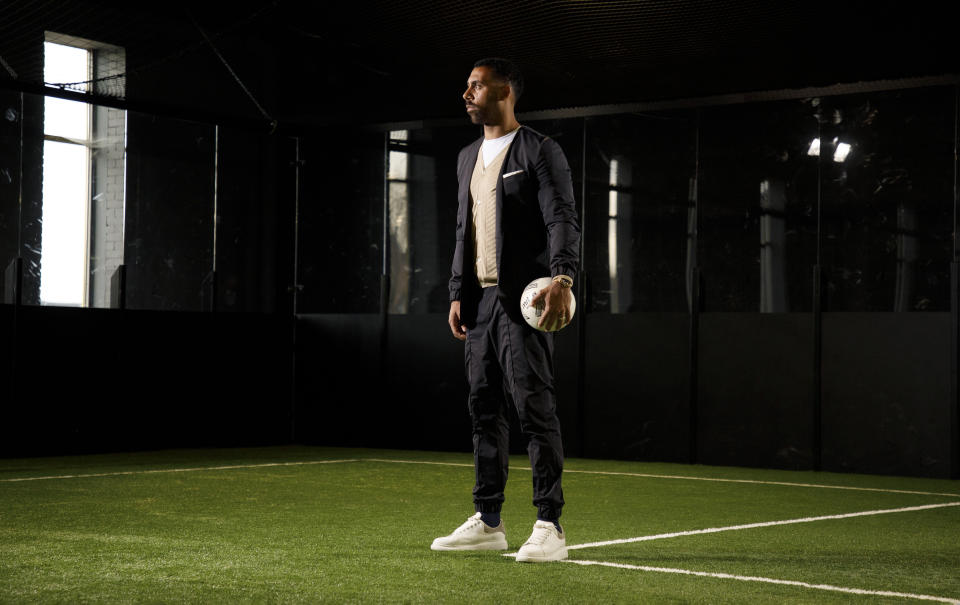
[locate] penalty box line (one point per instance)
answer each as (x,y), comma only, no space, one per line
(726,576)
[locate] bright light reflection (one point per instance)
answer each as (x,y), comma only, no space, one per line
(814,148)
(843,150)
(612,260)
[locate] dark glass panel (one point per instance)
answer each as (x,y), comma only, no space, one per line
(639,169)
(10,123)
(254,208)
(341,222)
(169,213)
(31,197)
(758,205)
(888,204)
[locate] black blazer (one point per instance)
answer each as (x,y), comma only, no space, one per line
(538,231)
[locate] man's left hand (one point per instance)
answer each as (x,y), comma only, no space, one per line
(556,313)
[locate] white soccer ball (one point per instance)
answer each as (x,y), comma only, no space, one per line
(531,313)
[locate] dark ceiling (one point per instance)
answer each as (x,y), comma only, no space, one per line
(364,61)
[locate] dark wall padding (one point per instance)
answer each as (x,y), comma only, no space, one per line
(755,389)
(637,386)
(886,393)
(338,379)
(96,380)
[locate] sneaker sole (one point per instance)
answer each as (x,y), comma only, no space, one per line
(560,555)
(481,546)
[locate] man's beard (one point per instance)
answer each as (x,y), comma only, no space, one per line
(483,115)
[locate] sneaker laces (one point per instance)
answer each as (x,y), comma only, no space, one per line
(539,535)
(470,524)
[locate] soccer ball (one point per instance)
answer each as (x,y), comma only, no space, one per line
(531,313)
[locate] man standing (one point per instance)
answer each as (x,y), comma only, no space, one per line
(516,221)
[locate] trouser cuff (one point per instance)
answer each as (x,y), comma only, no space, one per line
(548,513)
(488,507)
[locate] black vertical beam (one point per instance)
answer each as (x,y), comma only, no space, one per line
(13,283)
(216,217)
(385,268)
(584,303)
(696,303)
(694,366)
(816,445)
(118,288)
(296,287)
(12,294)
(954,413)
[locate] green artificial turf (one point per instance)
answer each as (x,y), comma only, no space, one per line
(360,531)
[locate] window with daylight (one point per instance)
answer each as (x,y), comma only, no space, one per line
(83,176)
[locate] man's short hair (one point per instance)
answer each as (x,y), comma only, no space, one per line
(505,70)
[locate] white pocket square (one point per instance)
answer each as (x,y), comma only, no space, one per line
(509,174)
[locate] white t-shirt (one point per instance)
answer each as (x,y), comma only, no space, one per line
(490,148)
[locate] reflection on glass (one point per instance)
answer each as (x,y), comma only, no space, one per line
(172,171)
(758,200)
(618,234)
(10,142)
(639,169)
(843,150)
(422,198)
(399,205)
(773,287)
(888,200)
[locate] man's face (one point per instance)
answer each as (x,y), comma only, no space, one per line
(483,94)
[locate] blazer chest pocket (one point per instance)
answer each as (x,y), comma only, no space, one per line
(513,182)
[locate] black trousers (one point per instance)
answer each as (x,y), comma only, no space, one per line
(510,361)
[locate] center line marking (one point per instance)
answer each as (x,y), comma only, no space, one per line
(714,530)
(727,576)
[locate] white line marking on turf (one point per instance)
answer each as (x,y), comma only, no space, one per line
(461,464)
(714,530)
(727,576)
(425,462)
(759,482)
(717,479)
(177,470)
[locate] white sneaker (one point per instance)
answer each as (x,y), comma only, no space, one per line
(473,535)
(546,543)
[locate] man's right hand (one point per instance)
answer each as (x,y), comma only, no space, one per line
(459,332)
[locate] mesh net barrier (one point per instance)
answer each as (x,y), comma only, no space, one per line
(134,48)
(324,62)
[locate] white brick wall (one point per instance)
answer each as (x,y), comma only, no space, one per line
(106,228)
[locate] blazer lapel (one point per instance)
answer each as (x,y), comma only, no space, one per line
(510,164)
